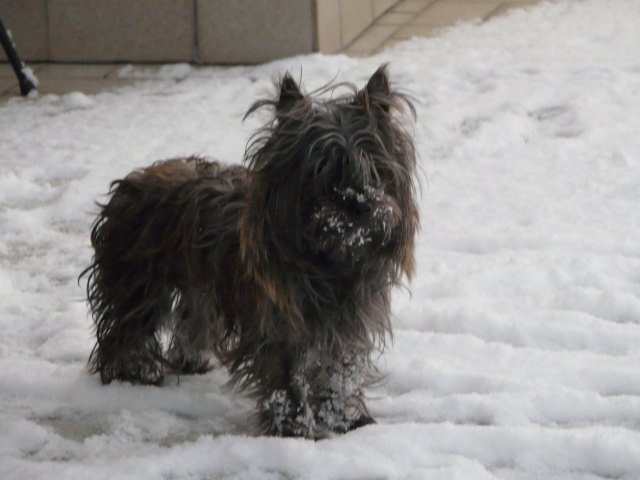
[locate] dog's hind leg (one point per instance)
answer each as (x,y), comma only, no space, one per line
(127,328)
(128,289)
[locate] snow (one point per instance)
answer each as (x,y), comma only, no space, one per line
(28,72)
(514,357)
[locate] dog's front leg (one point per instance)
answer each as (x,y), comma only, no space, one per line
(284,393)
(338,393)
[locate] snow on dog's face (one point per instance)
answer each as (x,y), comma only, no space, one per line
(347,224)
(335,177)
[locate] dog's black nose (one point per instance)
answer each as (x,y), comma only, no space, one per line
(361,209)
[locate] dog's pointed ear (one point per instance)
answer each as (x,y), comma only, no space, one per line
(290,94)
(377,93)
(379,82)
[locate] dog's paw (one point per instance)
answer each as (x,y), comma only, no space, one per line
(135,367)
(193,364)
(283,417)
(341,415)
(362,421)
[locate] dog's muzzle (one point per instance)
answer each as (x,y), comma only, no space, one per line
(351,223)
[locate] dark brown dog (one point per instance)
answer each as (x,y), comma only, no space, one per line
(282,268)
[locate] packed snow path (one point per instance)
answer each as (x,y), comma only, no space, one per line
(517,354)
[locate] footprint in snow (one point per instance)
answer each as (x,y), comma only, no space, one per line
(558,121)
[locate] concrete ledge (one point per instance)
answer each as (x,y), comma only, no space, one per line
(209,31)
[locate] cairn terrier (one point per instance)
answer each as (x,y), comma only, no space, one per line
(281,269)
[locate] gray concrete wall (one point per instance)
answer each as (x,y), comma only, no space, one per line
(207,31)
(27,22)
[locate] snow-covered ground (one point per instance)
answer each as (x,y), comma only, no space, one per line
(517,354)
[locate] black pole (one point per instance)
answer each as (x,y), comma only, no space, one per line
(26,85)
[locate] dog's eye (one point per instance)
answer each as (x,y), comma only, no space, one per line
(339,169)
(321,166)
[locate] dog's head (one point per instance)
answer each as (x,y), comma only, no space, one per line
(332,182)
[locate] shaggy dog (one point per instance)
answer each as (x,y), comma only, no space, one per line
(281,268)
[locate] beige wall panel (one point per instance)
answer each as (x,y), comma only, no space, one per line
(328,24)
(252,31)
(355,16)
(126,30)
(381,6)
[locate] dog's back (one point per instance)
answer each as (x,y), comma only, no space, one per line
(180,170)
(151,243)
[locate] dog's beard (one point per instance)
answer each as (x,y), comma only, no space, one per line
(348,225)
